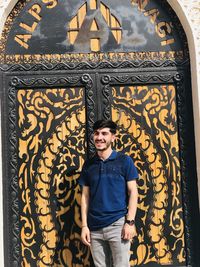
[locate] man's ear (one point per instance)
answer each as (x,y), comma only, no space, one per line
(113,137)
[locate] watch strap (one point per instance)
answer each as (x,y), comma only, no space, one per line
(130,222)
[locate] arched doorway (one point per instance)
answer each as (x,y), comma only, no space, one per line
(95,59)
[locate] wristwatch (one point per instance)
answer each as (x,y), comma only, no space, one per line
(130,222)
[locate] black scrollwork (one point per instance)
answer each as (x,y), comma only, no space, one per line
(178,77)
(181,109)
(14,82)
(87,80)
(14,220)
(86,65)
(29,82)
(106,79)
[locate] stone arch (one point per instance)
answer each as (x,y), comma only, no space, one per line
(186,11)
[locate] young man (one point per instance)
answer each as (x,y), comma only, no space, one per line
(109,200)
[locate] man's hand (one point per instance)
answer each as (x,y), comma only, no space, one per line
(85,235)
(128,231)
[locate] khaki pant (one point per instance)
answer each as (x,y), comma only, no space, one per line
(108,248)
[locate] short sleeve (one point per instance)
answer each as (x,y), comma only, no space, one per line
(83,179)
(131,171)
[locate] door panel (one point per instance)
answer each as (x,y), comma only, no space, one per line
(48,124)
(52,145)
(148,131)
(147,121)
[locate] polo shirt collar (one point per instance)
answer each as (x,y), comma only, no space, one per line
(111,157)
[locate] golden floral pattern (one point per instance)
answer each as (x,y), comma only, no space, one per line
(52,147)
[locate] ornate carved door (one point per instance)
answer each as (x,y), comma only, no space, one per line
(47,124)
(127,61)
(147,119)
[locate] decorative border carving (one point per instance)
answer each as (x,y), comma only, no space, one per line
(137,64)
(92,57)
(14,202)
(8,24)
(106,80)
(90,110)
(27,82)
(182,121)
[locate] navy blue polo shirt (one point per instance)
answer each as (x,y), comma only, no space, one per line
(107,181)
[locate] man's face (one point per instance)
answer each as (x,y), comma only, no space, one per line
(103,139)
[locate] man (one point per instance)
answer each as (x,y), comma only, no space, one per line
(109,200)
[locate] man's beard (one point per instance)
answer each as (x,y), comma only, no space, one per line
(107,145)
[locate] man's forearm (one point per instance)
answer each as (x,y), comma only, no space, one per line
(84,210)
(84,206)
(132,207)
(132,203)
(85,232)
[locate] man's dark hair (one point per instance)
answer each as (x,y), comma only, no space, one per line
(105,124)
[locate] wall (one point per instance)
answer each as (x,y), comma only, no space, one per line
(188,12)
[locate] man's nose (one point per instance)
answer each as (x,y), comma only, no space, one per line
(99,136)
